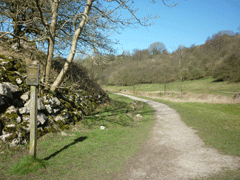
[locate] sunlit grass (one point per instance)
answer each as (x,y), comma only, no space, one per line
(196,86)
(86,151)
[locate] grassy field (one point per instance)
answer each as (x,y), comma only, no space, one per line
(217,124)
(195,86)
(85,151)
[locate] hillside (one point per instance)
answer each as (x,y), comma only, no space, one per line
(219,58)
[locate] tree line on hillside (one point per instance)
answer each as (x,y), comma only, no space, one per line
(219,58)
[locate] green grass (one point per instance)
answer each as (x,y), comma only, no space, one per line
(86,152)
(217,124)
(28,164)
(196,86)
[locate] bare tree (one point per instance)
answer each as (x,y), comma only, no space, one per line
(79,24)
(181,55)
(157,48)
(19,18)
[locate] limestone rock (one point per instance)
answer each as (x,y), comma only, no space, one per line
(25,97)
(65,114)
(4,118)
(20,75)
(45,99)
(7,65)
(11,109)
(26,118)
(27,126)
(19,119)
(24,110)
(15,142)
(41,118)
(40,104)
(5,135)
(55,111)
(71,98)
(49,109)
(6,89)
(18,81)
(11,125)
(54,101)
(60,118)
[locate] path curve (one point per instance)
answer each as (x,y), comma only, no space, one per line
(175,151)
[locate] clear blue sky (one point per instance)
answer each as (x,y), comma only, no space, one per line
(190,22)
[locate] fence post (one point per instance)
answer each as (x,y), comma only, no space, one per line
(32,79)
(33,121)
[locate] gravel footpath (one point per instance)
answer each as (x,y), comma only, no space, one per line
(174,151)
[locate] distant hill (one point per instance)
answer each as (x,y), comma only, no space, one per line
(219,58)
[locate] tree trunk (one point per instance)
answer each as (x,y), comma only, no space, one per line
(77,33)
(51,41)
(17,33)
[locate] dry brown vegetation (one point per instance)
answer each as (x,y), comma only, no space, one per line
(185,97)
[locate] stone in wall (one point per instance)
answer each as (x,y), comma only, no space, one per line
(7,89)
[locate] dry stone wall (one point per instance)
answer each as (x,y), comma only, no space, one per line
(55,111)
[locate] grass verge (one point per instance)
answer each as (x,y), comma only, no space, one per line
(85,151)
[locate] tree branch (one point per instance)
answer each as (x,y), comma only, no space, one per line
(41,14)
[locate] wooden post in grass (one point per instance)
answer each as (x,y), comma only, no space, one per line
(32,80)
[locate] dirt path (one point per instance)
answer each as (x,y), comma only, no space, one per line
(174,151)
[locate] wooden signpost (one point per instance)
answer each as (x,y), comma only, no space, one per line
(32,80)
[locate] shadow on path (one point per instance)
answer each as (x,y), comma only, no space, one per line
(80,139)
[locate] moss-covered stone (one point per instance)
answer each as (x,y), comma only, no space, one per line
(49,129)
(40,132)
(62,125)
(75,118)
(9,65)
(11,137)
(25,125)
(66,104)
(12,116)
(2,56)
